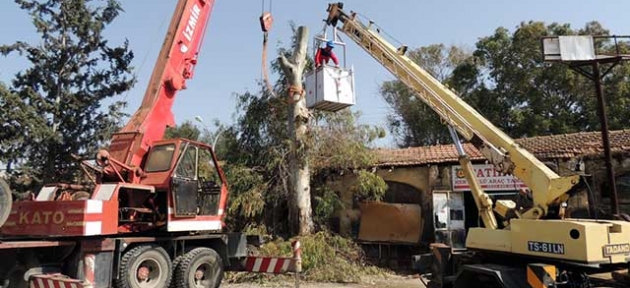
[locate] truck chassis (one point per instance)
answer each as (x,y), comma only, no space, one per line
(129,261)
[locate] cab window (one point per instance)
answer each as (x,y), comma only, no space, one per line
(207,169)
(160,158)
(209,184)
(187,166)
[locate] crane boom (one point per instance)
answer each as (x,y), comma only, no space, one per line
(175,64)
(508,157)
(575,241)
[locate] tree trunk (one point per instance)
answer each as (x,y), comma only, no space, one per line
(298,117)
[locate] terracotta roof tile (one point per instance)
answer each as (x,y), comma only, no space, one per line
(583,144)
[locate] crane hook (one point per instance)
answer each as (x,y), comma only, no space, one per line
(265,22)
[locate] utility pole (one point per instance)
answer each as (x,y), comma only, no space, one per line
(579,52)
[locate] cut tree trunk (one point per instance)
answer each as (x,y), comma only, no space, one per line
(298,118)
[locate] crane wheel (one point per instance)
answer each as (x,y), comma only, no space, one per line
(201,267)
(18,275)
(175,265)
(145,266)
(15,279)
(6,201)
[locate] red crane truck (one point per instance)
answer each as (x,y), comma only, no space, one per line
(153,213)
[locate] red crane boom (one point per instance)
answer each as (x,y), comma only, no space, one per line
(175,64)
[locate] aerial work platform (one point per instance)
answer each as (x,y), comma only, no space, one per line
(330,88)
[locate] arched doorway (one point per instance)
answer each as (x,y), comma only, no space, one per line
(402,193)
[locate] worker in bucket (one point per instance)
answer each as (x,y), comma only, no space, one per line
(324,54)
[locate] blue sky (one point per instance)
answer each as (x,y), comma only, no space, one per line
(230,59)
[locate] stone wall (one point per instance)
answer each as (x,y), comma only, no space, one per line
(408,185)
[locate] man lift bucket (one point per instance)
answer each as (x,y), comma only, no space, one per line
(329,87)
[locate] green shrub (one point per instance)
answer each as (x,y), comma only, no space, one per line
(371,187)
(325,258)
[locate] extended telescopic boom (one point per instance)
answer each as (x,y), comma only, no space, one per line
(548,188)
(175,64)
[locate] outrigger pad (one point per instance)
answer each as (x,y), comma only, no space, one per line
(6,201)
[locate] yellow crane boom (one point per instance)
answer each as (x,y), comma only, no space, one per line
(508,157)
(541,232)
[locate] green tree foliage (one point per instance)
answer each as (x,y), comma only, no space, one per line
(326,203)
(248,196)
(258,144)
(53,108)
(507,81)
(371,187)
(535,98)
(338,141)
(412,122)
(186,130)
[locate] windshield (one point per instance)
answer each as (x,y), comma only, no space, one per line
(160,158)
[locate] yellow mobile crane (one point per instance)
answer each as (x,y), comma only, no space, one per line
(540,244)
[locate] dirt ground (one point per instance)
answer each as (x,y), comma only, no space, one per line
(392,281)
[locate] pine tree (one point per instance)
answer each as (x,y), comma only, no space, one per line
(53,108)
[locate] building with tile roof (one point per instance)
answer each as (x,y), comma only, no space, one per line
(416,175)
(565,146)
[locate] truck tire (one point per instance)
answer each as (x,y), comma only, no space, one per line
(15,278)
(6,201)
(201,267)
(145,266)
(175,265)
(18,275)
